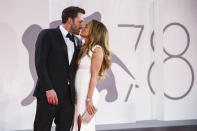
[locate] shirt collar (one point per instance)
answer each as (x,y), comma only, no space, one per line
(63,30)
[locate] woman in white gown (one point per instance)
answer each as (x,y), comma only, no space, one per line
(93,62)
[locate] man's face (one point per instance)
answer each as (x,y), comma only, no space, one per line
(77,24)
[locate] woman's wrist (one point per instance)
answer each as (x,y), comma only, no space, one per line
(88,99)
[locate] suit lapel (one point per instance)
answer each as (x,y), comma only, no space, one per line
(76,51)
(74,54)
(62,42)
(64,46)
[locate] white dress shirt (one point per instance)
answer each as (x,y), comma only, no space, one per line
(69,43)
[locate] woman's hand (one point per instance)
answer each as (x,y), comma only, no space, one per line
(90,107)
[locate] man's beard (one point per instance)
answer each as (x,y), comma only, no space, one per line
(74,30)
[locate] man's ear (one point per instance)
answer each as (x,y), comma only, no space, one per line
(70,20)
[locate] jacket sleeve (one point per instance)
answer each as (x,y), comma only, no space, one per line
(42,48)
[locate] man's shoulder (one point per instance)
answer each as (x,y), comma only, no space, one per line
(48,32)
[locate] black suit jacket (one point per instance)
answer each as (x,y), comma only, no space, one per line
(52,66)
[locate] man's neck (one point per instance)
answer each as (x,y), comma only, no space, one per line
(66,27)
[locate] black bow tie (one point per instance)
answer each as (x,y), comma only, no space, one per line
(71,37)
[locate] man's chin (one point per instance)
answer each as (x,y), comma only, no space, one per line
(75,33)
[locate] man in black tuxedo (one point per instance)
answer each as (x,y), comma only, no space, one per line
(55,59)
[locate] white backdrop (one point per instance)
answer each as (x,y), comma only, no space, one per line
(153,53)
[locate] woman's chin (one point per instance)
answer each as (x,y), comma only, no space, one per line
(83,36)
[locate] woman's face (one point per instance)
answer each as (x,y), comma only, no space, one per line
(85,31)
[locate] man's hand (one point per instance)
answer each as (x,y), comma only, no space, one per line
(52,97)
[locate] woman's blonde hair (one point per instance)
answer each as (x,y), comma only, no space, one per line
(98,35)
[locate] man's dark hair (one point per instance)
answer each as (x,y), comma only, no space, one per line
(72,12)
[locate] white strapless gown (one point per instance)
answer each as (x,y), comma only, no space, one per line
(82,80)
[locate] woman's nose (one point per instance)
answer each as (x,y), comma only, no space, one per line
(82,28)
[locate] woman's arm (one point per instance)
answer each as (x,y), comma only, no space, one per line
(96,62)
